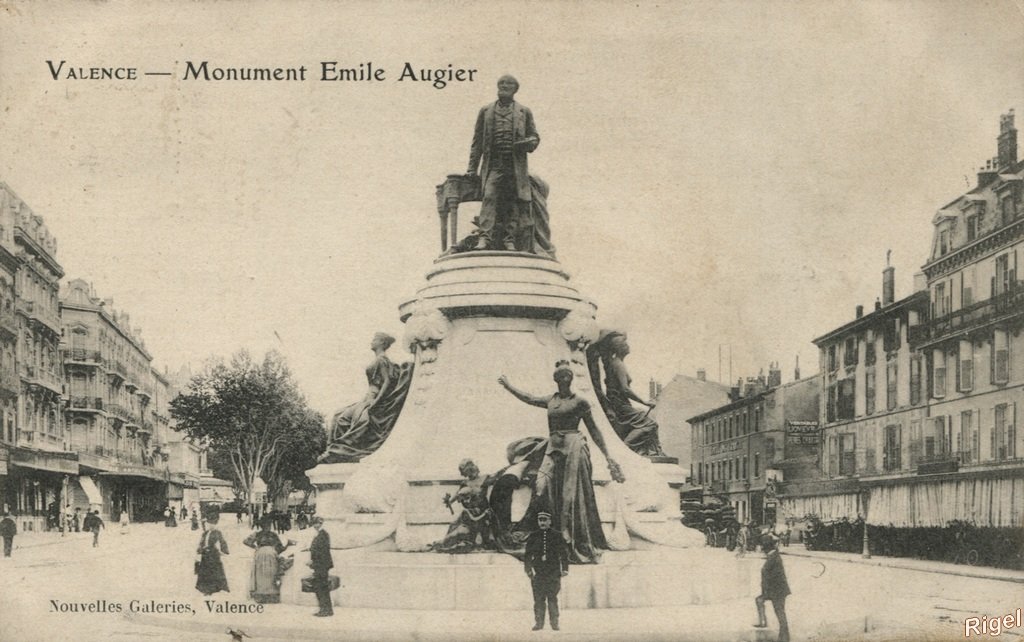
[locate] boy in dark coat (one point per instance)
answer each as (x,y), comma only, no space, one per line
(8,529)
(546,562)
(321,562)
(774,587)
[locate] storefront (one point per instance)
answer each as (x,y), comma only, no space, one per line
(36,485)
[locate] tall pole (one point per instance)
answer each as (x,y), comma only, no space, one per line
(866,550)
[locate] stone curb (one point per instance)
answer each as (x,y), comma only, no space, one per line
(890,562)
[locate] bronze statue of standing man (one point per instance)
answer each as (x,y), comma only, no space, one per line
(505,133)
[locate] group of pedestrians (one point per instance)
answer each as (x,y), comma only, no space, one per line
(268,566)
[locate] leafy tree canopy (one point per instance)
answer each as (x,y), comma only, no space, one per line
(252,413)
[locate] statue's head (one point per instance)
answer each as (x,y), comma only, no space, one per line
(468,469)
(382,340)
(507,86)
(563,372)
(618,344)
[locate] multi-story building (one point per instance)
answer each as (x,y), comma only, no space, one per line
(186,459)
(31,389)
(874,407)
(972,343)
(742,448)
(919,426)
(684,397)
(110,411)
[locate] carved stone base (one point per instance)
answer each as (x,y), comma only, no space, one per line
(489,581)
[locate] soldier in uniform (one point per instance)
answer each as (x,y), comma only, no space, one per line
(774,587)
(546,562)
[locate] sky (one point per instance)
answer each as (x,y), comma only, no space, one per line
(724,175)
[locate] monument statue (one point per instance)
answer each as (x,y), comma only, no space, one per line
(360,428)
(476,527)
(513,213)
(636,428)
(504,134)
(563,479)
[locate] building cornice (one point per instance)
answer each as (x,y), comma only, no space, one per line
(975,250)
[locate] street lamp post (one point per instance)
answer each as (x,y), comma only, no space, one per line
(866,551)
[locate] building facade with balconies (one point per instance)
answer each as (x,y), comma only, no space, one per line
(972,343)
(922,395)
(40,462)
(740,449)
(110,410)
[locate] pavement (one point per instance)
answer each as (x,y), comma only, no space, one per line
(835,597)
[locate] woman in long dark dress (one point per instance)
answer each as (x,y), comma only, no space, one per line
(564,479)
(360,428)
(210,571)
(267,566)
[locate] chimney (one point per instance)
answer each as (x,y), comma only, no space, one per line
(774,376)
(796,370)
(860,311)
(888,285)
(988,173)
(1007,142)
(702,374)
(878,305)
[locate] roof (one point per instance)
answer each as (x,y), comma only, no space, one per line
(921,296)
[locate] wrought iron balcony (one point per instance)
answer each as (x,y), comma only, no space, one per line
(971,318)
(82,355)
(88,404)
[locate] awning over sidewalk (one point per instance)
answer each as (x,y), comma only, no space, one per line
(90,490)
(986,502)
(826,507)
(175,491)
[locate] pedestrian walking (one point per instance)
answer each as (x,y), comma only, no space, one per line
(184,513)
(76,520)
(321,561)
(94,525)
(209,569)
(546,562)
(742,536)
(8,529)
(774,587)
(238,516)
(125,520)
(195,520)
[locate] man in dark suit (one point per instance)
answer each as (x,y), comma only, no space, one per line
(8,529)
(774,587)
(321,562)
(546,561)
(504,134)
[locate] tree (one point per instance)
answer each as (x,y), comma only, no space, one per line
(252,413)
(288,471)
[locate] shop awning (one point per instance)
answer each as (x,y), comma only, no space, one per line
(216,494)
(90,490)
(174,491)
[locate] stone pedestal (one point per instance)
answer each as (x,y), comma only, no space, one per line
(503,314)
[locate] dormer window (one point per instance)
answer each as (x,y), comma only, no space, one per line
(943,242)
(972,228)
